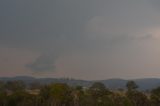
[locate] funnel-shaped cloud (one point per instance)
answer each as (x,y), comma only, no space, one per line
(43,63)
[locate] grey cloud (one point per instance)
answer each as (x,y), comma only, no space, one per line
(57,28)
(43,63)
(144,37)
(155,3)
(38,24)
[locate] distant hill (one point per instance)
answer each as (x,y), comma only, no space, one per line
(144,84)
(29,80)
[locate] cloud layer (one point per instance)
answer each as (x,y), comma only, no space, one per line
(82,39)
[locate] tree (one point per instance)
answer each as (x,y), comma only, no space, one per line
(131,85)
(155,96)
(121,100)
(15,86)
(97,91)
(20,98)
(44,95)
(2,86)
(80,97)
(138,98)
(61,94)
(3,98)
(98,86)
(35,85)
(57,94)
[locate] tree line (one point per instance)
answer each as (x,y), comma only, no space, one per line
(16,93)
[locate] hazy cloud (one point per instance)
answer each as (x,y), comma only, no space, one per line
(43,63)
(107,36)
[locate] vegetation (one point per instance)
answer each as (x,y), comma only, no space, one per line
(16,93)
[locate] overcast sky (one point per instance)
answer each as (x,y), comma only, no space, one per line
(82,39)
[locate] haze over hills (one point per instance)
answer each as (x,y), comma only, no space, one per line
(144,84)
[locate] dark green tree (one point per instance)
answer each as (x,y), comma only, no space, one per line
(138,98)
(15,86)
(155,96)
(60,94)
(131,85)
(97,92)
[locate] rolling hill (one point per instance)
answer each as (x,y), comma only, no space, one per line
(144,84)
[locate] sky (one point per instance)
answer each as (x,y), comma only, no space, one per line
(81,39)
